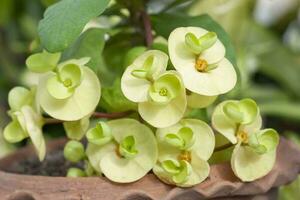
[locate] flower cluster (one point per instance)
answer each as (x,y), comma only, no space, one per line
(67,91)
(161,137)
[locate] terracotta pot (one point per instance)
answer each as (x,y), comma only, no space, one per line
(221,184)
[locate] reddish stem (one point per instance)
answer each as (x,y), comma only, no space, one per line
(95,115)
(148,28)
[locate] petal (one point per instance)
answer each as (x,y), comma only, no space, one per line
(249,165)
(170,82)
(42,62)
(217,81)
(18,97)
(165,115)
(249,109)
(160,61)
(70,72)
(83,102)
(13,132)
(99,135)
(214,54)
(95,153)
(136,89)
(200,101)
(223,124)
(75,130)
(204,137)
(57,89)
(200,171)
(34,130)
(123,170)
(264,141)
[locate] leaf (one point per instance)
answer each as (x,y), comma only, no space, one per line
(164,24)
(91,44)
(113,100)
(282,109)
(64,21)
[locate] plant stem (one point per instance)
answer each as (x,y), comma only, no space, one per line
(223,147)
(147,27)
(94,115)
(111,115)
(52,121)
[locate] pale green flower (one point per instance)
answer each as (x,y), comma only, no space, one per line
(26,119)
(26,123)
(138,77)
(166,103)
(199,57)
(184,149)
(123,150)
(160,94)
(70,93)
(75,130)
(255,152)
(195,100)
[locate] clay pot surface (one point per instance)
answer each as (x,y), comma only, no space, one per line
(221,184)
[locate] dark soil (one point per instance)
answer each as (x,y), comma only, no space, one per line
(53,165)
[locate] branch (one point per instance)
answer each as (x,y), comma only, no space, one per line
(148,28)
(111,115)
(94,115)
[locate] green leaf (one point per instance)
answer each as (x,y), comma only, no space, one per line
(283,109)
(91,44)
(164,24)
(113,99)
(64,21)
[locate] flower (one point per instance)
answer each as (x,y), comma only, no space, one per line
(160,94)
(71,92)
(199,57)
(254,153)
(138,77)
(26,120)
(195,100)
(75,130)
(124,150)
(184,149)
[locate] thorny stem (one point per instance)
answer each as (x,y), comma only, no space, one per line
(147,27)
(94,115)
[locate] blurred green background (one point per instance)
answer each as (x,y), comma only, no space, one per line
(265,33)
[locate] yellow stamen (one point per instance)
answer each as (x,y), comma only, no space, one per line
(163,92)
(185,155)
(201,65)
(67,82)
(242,137)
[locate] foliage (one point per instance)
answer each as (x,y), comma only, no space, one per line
(95,59)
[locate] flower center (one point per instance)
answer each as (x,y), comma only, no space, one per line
(242,136)
(67,82)
(185,155)
(163,92)
(201,65)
